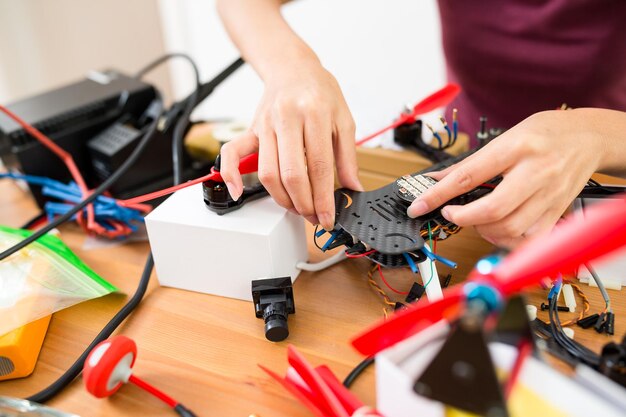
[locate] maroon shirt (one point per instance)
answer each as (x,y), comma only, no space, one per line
(514,58)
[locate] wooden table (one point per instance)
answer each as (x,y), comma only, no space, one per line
(204,350)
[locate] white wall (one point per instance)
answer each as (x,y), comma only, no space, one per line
(44,44)
(384,53)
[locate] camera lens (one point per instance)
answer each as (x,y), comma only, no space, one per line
(275,318)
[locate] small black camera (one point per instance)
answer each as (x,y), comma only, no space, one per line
(273,302)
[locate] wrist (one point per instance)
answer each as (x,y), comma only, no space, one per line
(602,129)
(288,62)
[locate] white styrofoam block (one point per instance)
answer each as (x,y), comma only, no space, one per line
(196,249)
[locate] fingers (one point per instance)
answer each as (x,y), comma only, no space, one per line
(230,154)
(292,165)
(269,174)
(319,156)
(516,188)
(476,169)
(345,154)
(533,218)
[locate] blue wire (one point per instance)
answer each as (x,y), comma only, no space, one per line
(320,233)
(105,208)
(450,138)
(411,263)
(330,240)
(455,128)
(435,257)
(556,287)
(436,135)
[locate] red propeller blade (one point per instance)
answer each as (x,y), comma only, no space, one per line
(575,241)
(406,323)
(437,99)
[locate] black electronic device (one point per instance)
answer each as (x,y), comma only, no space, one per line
(273,302)
(152,171)
(70,115)
(409,135)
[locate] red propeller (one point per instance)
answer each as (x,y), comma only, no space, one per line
(574,241)
(439,98)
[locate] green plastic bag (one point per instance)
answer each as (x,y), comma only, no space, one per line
(44,277)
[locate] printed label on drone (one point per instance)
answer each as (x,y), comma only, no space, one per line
(410,187)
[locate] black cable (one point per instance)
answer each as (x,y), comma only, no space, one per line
(152,65)
(315,238)
(576,350)
(189,105)
(76,368)
(357,371)
(34,221)
(130,161)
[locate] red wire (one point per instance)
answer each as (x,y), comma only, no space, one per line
(492,186)
(525,349)
(166,191)
(153,390)
(360,255)
(380,272)
(67,160)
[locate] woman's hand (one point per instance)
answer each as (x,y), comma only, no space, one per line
(301,127)
(545,161)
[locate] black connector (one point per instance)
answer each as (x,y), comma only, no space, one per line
(600,323)
(587,322)
(545,307)
(609,324)
(344,238)
(273,302)
(415,293)
(446,281)
(399,306)
(357,249)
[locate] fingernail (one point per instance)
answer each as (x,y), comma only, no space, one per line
(327,221)
(445,212)
(293,211)
(313,220)
(359,186)
(417,208)
(232,190)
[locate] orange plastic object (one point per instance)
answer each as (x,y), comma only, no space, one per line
(19,349)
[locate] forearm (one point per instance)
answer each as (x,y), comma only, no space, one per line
(608,129)
(263,36)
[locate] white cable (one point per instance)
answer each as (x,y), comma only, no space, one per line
(318,266)
(430,276)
